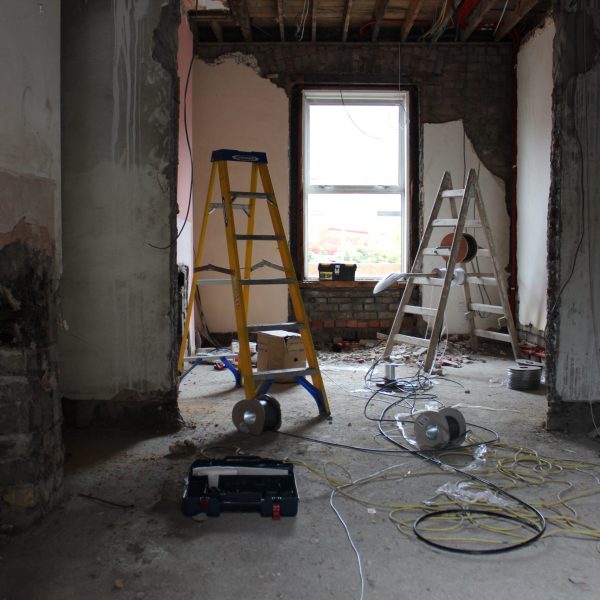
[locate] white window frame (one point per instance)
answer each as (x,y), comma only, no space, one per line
(349,97)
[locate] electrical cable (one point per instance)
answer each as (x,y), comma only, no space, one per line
(347,530)
(537,528)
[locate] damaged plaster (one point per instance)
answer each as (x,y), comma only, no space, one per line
(573,333)
(454,81)
(120,144)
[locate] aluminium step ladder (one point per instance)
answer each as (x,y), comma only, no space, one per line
(454,254)
(242,282)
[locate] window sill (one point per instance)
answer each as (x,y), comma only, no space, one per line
(323,284)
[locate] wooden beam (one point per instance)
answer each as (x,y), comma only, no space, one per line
(511,19)
(240,14)
(476,17)
(217,30)
(347,11)
(380,6)
(281,19)
(409,19)
(314,19)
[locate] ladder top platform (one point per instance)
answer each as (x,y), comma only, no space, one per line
(239,156)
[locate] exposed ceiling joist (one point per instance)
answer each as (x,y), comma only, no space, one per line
(240,14)
(217,30)
(314,20)
(512,18)
(281,19)
(476,17)
(380,6)
(409,20)
(347,11)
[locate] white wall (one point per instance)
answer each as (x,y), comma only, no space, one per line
(534,128)
(443,151)
(236,108)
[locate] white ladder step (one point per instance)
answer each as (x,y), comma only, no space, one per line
(481,279)
(454,223)
(487,308)
(420,310)
(493,335)
(400,338)
(453,193)
(439,281)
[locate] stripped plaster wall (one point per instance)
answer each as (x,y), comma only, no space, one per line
(534,130)
(31,453)
(453,82)
(120,119)
(573,332)
(236,108)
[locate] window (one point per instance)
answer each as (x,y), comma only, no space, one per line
(355,172)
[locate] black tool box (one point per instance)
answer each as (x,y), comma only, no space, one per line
(240,483)
(337,271)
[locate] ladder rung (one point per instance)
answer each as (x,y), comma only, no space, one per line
(243,207)
(262,195)
(275,327)
(493,335)
(267,281)
(213,281)
(262,375)
(488,308)
(481,279)
(453,193)
(454,223)
(400,338)
(258,237)
(428,281)
(420,310)
(482,252)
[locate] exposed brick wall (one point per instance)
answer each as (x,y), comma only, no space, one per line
(349,311)
(31,451)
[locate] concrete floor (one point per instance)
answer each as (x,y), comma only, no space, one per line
(87,549)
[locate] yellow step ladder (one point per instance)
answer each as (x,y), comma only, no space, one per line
(459,252)
(241,283)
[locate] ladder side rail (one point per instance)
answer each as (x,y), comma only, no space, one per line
(244,362)
(249,232)
(197,265)
(450,265)
(510,324)
(466,288)
(293,287)
(398,319)
(417,266)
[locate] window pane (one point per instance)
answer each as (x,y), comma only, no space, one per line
(355,228)
(354,145)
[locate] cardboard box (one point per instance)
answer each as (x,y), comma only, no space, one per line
(280,350)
